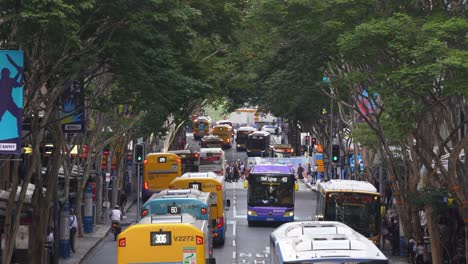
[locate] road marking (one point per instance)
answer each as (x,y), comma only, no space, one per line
(234,254)
(234,243)
(241,255)
(234,226)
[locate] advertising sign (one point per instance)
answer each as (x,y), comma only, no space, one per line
(73,112)
(11,101)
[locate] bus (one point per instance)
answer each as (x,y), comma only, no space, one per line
(166,239)
(281,151)
(225,133)
(208,182)
(242,135)
(322,242)
(354,203)
(201,127)
(212,159)
(159,169)
(181,201)
(270,193)
(190,161)
(258,144)
(211,141)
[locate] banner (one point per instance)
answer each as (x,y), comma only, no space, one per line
(73,112)
(11,101)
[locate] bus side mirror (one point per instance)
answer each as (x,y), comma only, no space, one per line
(296,186)
(245,184)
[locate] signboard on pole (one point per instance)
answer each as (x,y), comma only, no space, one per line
(11,101)
(73,111)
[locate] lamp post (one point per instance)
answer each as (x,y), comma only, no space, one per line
(326,80)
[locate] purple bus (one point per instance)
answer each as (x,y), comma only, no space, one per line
(270,194)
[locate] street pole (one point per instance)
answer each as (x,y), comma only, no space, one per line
(138,192)
(331,134)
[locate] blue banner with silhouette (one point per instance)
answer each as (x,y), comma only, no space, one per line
(11,101)
(73,110)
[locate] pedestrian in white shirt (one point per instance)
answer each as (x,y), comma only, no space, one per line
(73,228)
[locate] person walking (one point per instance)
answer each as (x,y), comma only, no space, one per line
(300,171)
(123,199)
(73,228)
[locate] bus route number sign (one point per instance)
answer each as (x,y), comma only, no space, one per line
(272,179)
(161,238)
(173,210)
(195,186)
(162,160)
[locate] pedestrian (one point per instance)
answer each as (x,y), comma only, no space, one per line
(300,171)
(423,221)
(73,228)
(123,199)
(50,243)
(420,252)
(395,236)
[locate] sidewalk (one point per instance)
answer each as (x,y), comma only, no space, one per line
(84,245)
(387,252)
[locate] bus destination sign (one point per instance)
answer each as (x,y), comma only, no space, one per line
(270,179)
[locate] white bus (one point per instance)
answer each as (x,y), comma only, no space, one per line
(355,203)
(322,242)
(212,159)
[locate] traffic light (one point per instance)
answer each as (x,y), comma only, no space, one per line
(307,140)
(335,153)
(314,142)
(139,153)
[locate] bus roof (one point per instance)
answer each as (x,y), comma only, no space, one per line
(346,185)
(182,151)
(246,129)
(211,150)
(208,174)
(271,168)
(156,154)
(259,133)
(159,219)
(282,146)
(323,241)
(177,192)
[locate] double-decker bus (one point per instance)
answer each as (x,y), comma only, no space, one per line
(208,182)
(258,144)
(225,133)
(159,169)
(166,239)
(355,203)
(270,193)
(190,161)
(242,135)
(281,151)
(212,160)
(322,242)
(180,201)
(201,127)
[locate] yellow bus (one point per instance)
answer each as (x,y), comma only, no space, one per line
(208,182)
(225,133)
(159,169)
(166,239)
(201,127)
(354,203)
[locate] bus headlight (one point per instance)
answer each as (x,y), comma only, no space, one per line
(252,213)
(289,214)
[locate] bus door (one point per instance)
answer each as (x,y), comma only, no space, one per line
(159,169)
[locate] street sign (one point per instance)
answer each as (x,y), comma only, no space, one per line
(108,176)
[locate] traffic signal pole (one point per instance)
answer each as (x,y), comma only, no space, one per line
(138,159)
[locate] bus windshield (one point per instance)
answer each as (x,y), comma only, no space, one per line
(358,210)
(263,191)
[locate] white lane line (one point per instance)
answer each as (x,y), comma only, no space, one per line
(234,254)
(234,227)
(234,243)
(234,213)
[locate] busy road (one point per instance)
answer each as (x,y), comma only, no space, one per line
(243,244)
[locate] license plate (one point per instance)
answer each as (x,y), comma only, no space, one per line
(270,219)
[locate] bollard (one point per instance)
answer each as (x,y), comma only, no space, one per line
(88,210)
(64,244)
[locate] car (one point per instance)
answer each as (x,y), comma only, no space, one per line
(271,129)
(212,141)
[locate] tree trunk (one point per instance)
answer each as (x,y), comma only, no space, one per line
(434,234)
(9,228)
(99,183)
